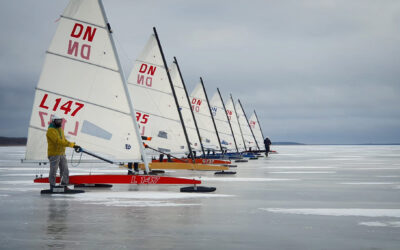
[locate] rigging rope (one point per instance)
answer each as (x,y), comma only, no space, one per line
(72,156)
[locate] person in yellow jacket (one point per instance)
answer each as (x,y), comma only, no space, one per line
(56,144)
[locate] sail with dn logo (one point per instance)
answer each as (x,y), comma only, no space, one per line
(81,78)
(204,119)
(185,107)
(82,82)
(152,95)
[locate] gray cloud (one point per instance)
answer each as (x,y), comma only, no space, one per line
(315,71)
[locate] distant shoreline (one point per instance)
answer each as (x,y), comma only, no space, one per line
(21,141)
(12,141)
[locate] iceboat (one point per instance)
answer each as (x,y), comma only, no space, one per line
(159,114)
(82,81)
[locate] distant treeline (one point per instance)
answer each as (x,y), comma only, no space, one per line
(12,141)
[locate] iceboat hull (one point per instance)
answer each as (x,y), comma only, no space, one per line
(122,179)
(197,161)
(184,166)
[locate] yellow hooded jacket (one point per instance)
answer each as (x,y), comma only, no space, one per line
(56,142)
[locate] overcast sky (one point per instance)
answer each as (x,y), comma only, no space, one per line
(315,71)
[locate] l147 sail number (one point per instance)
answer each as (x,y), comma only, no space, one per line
(59,104)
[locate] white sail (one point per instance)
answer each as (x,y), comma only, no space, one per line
(184,105)
(222,123)
(82,83)
(256,128)
(248,137)
(203,118)
(152,96)
(237,133)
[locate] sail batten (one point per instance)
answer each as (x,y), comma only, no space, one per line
(97,65)
(149,63)
(92,24)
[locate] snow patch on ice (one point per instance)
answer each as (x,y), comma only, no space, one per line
(22,169)
(139,203)
(296,167)
(145,195)
(363,163)
(365,212)
(33,175)
(356,168)
(368,183)
(20,189)
(29,182)
(4,195)
(380,223)
(94,170)
(304,172)
(238,179)
(141,199)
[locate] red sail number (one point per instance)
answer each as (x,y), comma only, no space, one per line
(67,106)
(142,118)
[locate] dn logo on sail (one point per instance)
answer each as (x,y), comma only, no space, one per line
(79,48)
(145,78)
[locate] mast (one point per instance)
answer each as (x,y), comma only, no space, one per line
(212,117)
(248,124)
(237,118)
(191,110)
(141,147)
(229,122)
(258,121)
(173,92)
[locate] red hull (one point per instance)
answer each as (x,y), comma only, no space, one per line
(122,179)
(198,161)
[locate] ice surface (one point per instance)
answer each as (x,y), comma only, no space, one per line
(304,205)
(338,211)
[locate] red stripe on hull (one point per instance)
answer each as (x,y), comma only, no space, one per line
(198,161)
(122,179)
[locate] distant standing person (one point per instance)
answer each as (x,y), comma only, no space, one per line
(267,143)
(56,144)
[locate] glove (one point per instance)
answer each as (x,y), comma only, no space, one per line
(77,148)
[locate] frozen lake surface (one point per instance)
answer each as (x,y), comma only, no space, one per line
(304,197)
